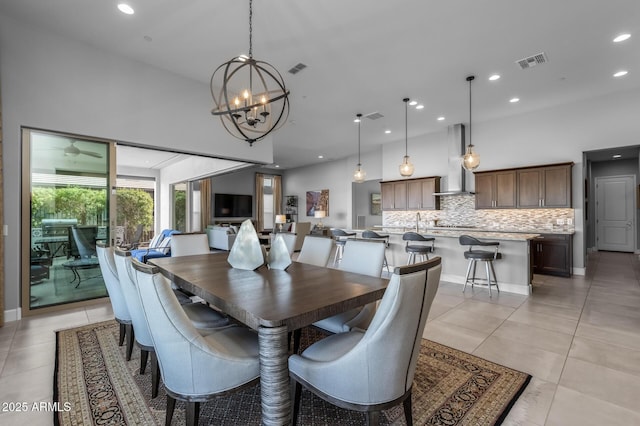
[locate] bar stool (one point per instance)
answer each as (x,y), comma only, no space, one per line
(375,236)
(475,256)
(341,238)
(421,250)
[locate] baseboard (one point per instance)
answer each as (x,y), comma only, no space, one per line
(579,271)
(12,315)
(506,287)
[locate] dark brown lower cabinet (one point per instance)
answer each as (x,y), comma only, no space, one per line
(552,254)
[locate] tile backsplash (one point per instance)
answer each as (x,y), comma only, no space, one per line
(459,210)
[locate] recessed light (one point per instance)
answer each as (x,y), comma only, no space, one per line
(125,8)
(617,156)
(277,166)
(387,131)
(420,106)
(440,118)
(621,73)
(321,156)
(494,77)
(621,37)
(412,103)
(514,100)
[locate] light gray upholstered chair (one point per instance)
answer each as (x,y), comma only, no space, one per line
(138,320)
(189,244)
(141,329)
(118,303)
(373,370)
(361,257)
(315,250)
(195,368)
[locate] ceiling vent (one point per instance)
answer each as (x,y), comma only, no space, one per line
(297,68)
(532,61)
(374,116)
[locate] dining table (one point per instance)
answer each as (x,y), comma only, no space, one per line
(272,302)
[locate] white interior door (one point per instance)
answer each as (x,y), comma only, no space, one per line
(615,213)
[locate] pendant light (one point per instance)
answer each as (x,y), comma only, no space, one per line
(471,159)
(406,168)
(359,174)
(249,95)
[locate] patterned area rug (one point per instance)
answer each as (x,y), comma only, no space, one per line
(101,388)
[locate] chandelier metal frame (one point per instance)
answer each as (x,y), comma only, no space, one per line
(249,113)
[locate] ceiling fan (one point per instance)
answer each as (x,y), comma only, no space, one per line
(74,151)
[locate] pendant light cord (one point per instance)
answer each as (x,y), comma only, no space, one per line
(251,28)
(359,120)
(470,79)
(406,127)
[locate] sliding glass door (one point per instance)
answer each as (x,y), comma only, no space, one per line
(66,210)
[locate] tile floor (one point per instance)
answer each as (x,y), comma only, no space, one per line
(578,337)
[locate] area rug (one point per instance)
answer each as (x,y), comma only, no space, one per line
(95,385)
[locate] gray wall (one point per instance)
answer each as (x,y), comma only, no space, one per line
(362,202)
(54,83)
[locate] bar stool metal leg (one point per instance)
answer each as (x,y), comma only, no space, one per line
(495,279)
(486,267)
(466,278)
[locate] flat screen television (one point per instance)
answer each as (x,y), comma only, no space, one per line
(232,205)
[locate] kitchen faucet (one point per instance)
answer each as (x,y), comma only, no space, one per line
(417,221)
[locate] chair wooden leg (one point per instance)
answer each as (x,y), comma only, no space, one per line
(193,413)
(144,356)
(373,418)
(155,375)
(123,331)
(296,393)
(130,339)
(408,414)
(171,405)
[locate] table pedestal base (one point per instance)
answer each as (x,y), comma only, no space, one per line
(274,376)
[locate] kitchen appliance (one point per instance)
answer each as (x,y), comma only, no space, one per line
(456,174)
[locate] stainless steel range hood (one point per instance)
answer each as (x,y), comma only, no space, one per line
(456,175)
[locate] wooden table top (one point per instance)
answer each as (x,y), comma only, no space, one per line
(297,297)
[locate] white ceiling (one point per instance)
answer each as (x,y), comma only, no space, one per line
(365,56)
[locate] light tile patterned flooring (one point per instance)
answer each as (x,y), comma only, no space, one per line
(578,337)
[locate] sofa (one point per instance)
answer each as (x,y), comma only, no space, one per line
(221,237)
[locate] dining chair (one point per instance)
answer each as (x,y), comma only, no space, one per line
(189,244)
(196,312)
(372,370)
(315,250)
(194,368)
(362,257)
(118,302)
(289,240)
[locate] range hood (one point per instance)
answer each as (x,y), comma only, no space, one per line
(456,175)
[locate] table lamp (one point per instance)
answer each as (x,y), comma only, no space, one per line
(319,214)
(280,219)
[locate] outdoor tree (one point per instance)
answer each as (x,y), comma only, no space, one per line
(135,206)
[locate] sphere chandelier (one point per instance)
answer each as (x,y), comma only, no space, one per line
(406,168)
(470,159)
(250,96)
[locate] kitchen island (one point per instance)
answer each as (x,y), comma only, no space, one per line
(513,271)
